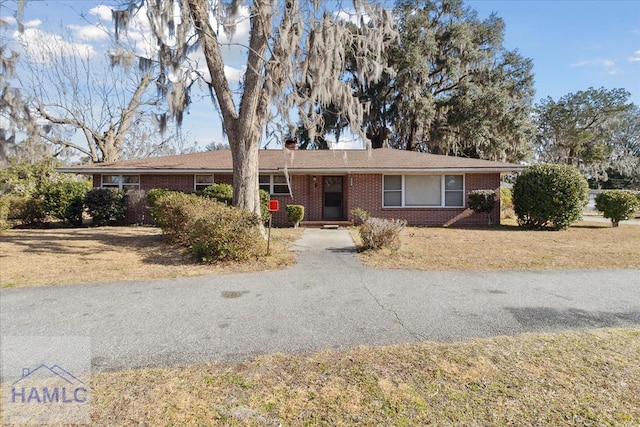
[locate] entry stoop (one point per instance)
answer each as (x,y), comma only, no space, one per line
(326,224)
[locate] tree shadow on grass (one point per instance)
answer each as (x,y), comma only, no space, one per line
(147,242)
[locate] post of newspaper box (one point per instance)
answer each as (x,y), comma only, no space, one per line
(274,206)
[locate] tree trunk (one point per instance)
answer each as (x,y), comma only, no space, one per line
(245,169)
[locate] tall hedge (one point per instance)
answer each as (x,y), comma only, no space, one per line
(64,200)
(550,195)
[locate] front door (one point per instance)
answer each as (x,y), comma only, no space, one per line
(332,197)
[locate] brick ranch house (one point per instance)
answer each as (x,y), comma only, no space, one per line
(424,189)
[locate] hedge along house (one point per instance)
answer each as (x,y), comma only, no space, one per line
(423,189)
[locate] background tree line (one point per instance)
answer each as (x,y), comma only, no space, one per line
(439,80)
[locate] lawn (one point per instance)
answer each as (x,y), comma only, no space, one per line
(565,379)
(83,255)
(509,247)
(573,378)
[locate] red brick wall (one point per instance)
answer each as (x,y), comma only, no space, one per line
(366,194)
(360,191)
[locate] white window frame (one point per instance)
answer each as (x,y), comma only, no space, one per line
(443,192)
(121,184)
(196,183)
(273,185)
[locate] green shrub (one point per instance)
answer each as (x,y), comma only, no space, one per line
(106,205)
(506,203)
(4,214)
(220,192)
(172,211)
(33,211)
(225,233)
(295,214)
(549,195)
(211,230)
(617,205)
(378,233)
(153,195)
(64,200)
(482,201)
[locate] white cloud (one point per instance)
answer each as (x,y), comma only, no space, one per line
(102,12)
(37,44)
(10,20)
(89,32)
(635,57)
(34,23)
(609,65)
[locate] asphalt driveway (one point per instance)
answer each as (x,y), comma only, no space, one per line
(327,300)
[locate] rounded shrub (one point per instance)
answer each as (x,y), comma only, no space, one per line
(482,201)
(617,205)
(550,195)
(295,214)
(106,205)
(220,192)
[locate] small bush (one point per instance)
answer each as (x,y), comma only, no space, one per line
(295,214)
(360,215)
(617,205)
(378,233)
(225,233)
(506,203)
(482,201)
(550,195)
(64,200)
(220,192)
(106,205)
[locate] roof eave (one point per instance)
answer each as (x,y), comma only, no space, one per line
(317,171)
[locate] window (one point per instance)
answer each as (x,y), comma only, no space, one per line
(123,182)
(202,181)
(423,191)
(274,184)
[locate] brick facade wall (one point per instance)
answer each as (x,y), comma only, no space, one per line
(359,191)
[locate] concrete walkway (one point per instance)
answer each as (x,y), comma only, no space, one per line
(327,300)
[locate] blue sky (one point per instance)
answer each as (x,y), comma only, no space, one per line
(574,44)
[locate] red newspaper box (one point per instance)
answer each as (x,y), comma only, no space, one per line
(274,206)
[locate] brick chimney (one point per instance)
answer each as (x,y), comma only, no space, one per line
(291,143)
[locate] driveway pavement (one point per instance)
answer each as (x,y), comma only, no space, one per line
(327,300)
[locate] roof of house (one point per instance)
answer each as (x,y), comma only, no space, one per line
(383,160)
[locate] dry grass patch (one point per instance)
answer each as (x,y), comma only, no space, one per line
(508,247)
(63,256)
(576,378)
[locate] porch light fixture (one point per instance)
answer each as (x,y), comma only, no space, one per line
(315,184)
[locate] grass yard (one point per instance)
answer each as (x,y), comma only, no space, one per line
(82,255)
(565,379)
(508,247)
